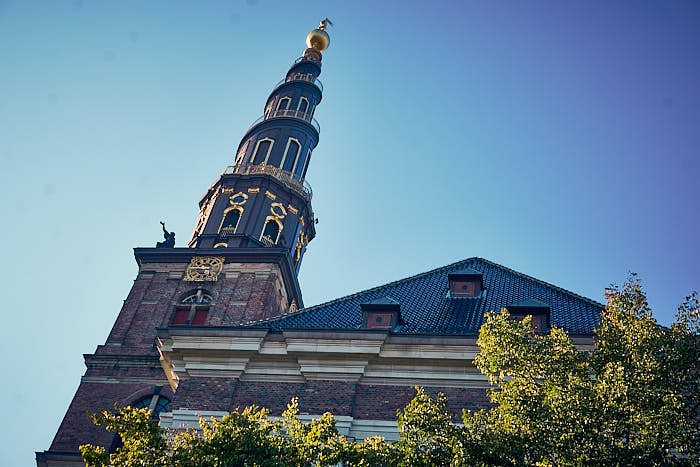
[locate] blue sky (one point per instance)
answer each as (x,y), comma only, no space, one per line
(560,139)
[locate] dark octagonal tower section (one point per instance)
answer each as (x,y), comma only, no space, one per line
(241,265)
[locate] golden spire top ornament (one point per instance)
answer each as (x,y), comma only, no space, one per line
(319,39)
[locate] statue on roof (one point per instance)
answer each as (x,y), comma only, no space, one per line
(169,238)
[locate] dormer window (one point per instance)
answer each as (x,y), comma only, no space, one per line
(539,310)
(465,283)
(383,313)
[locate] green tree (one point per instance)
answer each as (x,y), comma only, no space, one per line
(426,431)
(633,401)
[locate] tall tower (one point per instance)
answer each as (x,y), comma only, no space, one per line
(241,264)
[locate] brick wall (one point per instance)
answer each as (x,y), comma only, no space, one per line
(381,402)
(244,292)
(369,402)
(273,396)
(205,394)
(315,397)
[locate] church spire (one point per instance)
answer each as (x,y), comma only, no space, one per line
(287,132)
(263,200)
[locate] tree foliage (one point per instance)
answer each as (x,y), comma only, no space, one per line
(633,399)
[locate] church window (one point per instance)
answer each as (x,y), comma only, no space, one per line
(193,309)
(306,164)
(271,231)
(229,224)
(241,153)
(155,403)
(303,105)
(291,153)
(262,150)
(283,104)
(296,161)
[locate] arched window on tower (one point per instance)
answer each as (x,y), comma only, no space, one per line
(303,105)
(300,162)
(271,231)
(284,103)
(291,153)
(262,150)
(155,403)
(229,223)
(306,164)
(193,309)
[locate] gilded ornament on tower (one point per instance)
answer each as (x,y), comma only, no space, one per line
(204,268)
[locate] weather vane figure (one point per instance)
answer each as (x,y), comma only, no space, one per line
(324,24)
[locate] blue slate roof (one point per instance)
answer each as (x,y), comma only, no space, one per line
(427,309)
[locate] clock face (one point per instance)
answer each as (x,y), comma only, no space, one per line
(204,268)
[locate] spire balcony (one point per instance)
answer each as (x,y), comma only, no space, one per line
(288,179)
(307,59)
(306,77)
(288,113)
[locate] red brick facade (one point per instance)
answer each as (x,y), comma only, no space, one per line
(127,368)
(361,401)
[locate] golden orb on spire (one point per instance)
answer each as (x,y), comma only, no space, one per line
(319,38)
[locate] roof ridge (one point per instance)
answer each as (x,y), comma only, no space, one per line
(416,276)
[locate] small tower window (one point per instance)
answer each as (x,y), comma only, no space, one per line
(303,105)
(193,309)
(284,103)
(262,150)
(291,153)
(229,224)
(271,231)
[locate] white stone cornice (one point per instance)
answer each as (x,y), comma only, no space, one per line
(431,351)
(207,366)
(183,419)
(336,369)
(344,346)
(297,356)
(191,342)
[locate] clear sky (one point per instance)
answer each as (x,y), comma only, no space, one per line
(558,138)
